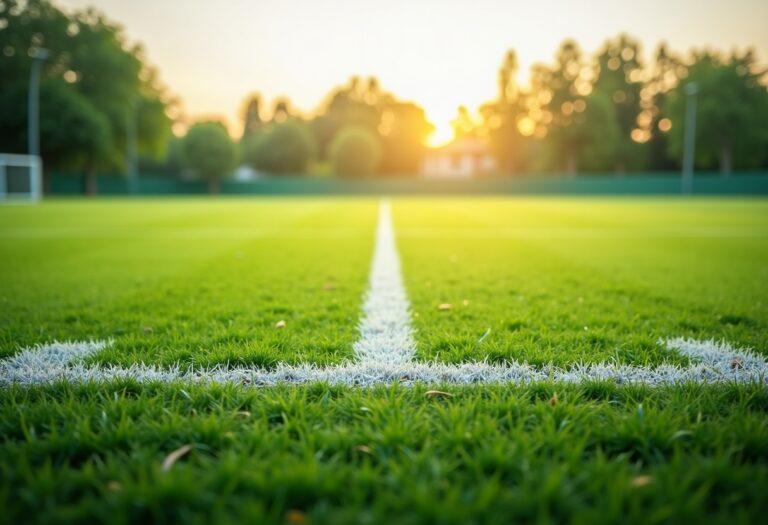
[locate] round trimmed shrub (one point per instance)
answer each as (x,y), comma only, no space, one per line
(286,147)
(355,152)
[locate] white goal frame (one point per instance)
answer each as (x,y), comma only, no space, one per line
(35,165)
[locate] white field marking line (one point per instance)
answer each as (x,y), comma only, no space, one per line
(385,354)
(713,362)
(386,336)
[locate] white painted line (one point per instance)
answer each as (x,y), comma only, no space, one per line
(712,362)
(385,353)
(386,336)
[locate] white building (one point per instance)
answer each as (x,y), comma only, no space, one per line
(461,159)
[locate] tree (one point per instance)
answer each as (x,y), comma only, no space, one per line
(401,127)
(506,120)
(355,152)
(252,122)
(112,75)
(93,57)
(75,132)
(402,132)
(619,79)
(354,104)
(732,109)
(596,132)
(209,151)
(559,106)
(665,74)
(285,147)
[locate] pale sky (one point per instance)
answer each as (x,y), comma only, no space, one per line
(438,53)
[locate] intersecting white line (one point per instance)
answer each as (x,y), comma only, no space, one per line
(385,353)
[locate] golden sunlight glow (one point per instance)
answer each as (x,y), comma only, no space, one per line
(665,125)
(640,135)
(442,135)
(526,126)
(217,56)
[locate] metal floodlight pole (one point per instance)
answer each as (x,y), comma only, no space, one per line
(130,143)
(689,144)
(38,56)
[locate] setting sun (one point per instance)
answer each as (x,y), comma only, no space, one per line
(440,55)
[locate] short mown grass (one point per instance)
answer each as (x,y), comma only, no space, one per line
(583,280)
(190,281)
(317,454)
(203,282)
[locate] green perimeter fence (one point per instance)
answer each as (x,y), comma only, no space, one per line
(629,184)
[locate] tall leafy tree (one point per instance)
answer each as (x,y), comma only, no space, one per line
(252,121)
(732,109)
(666,71)
(619,78)
(93,57)
(560,106)
(403,129)
(506,120)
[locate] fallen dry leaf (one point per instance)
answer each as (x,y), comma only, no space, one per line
(553,399)
(174,456)
(437,393)
(280,324)
(641,481)
(295,517)
(736,363)
(444,307)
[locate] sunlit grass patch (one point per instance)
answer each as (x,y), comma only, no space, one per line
(189,281)
(582,280)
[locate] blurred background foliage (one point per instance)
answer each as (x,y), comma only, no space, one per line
(615,111)
(91,80)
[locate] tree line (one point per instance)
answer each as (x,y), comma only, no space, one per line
(611,111)
(360,130)
(615,112)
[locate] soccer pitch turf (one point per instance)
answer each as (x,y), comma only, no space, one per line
(553,283)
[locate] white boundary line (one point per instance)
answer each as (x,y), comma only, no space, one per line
(713,362)
(385,353)
(386,336)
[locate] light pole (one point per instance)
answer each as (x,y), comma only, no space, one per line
(689,144)
(38,56)
(130,144)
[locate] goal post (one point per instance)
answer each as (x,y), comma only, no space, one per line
(21,177)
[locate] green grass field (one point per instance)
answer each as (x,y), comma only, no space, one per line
(201,282)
